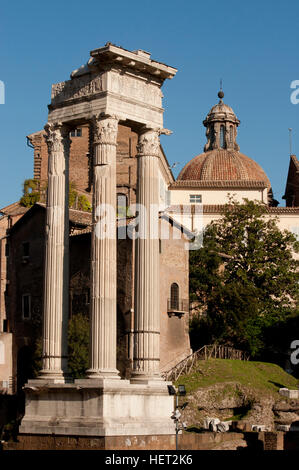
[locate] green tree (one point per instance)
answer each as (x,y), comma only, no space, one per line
(78,342)
(78,348)
(244,279)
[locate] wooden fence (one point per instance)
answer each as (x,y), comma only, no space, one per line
(204,353)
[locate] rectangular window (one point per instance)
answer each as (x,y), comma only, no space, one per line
(26,306)
(6,249)
(195,199)
(76,132)
(26,249)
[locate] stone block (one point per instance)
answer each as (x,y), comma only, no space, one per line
(260,428)
(98,408)
(283,427)
(289,393)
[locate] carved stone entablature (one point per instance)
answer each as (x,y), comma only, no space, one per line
(136,88)
(105,129)
(78,87)
(114,81)
(149,143)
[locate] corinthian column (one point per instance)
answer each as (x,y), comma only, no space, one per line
(56,282)
(147,306)
(103,251)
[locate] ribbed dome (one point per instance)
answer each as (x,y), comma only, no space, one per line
(221,111)
(223,165)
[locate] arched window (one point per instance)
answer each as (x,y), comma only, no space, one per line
(222,137)
(174,296)
(212,135)
(122,204)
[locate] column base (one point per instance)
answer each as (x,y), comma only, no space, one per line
(146,379)
(100,407)
(53,377)
(102,374)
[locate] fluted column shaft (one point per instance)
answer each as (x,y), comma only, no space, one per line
(103,313)
(56,281)
(147,305)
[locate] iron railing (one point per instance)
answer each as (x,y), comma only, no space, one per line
(177,306)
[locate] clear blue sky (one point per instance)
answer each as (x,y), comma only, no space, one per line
(253,46)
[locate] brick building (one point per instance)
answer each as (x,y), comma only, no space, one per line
(8,216)
(80,163)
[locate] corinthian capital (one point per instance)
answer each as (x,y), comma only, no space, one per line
(105,129)
(57,137)
(149,143)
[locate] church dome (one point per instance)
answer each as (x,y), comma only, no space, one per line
(223,165)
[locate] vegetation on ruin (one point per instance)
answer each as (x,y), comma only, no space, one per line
(78,201)
(244,280)
(32,193)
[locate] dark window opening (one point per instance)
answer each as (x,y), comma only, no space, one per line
(76,132)
(212,135)
(174,296)
(5,326)
(6,249)
(26,306)
(26,249)
(222,137)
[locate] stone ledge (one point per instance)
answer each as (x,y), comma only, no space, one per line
(121,386)
(95,428)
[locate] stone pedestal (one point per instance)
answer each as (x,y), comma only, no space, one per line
(98,407)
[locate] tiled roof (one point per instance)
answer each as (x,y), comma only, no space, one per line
(218,184)
(219,208)
(14,209)
(223,165)
(77,217)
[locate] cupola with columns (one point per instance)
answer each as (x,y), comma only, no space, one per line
(221,124)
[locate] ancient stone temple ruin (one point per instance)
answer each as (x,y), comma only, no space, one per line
(115,87)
